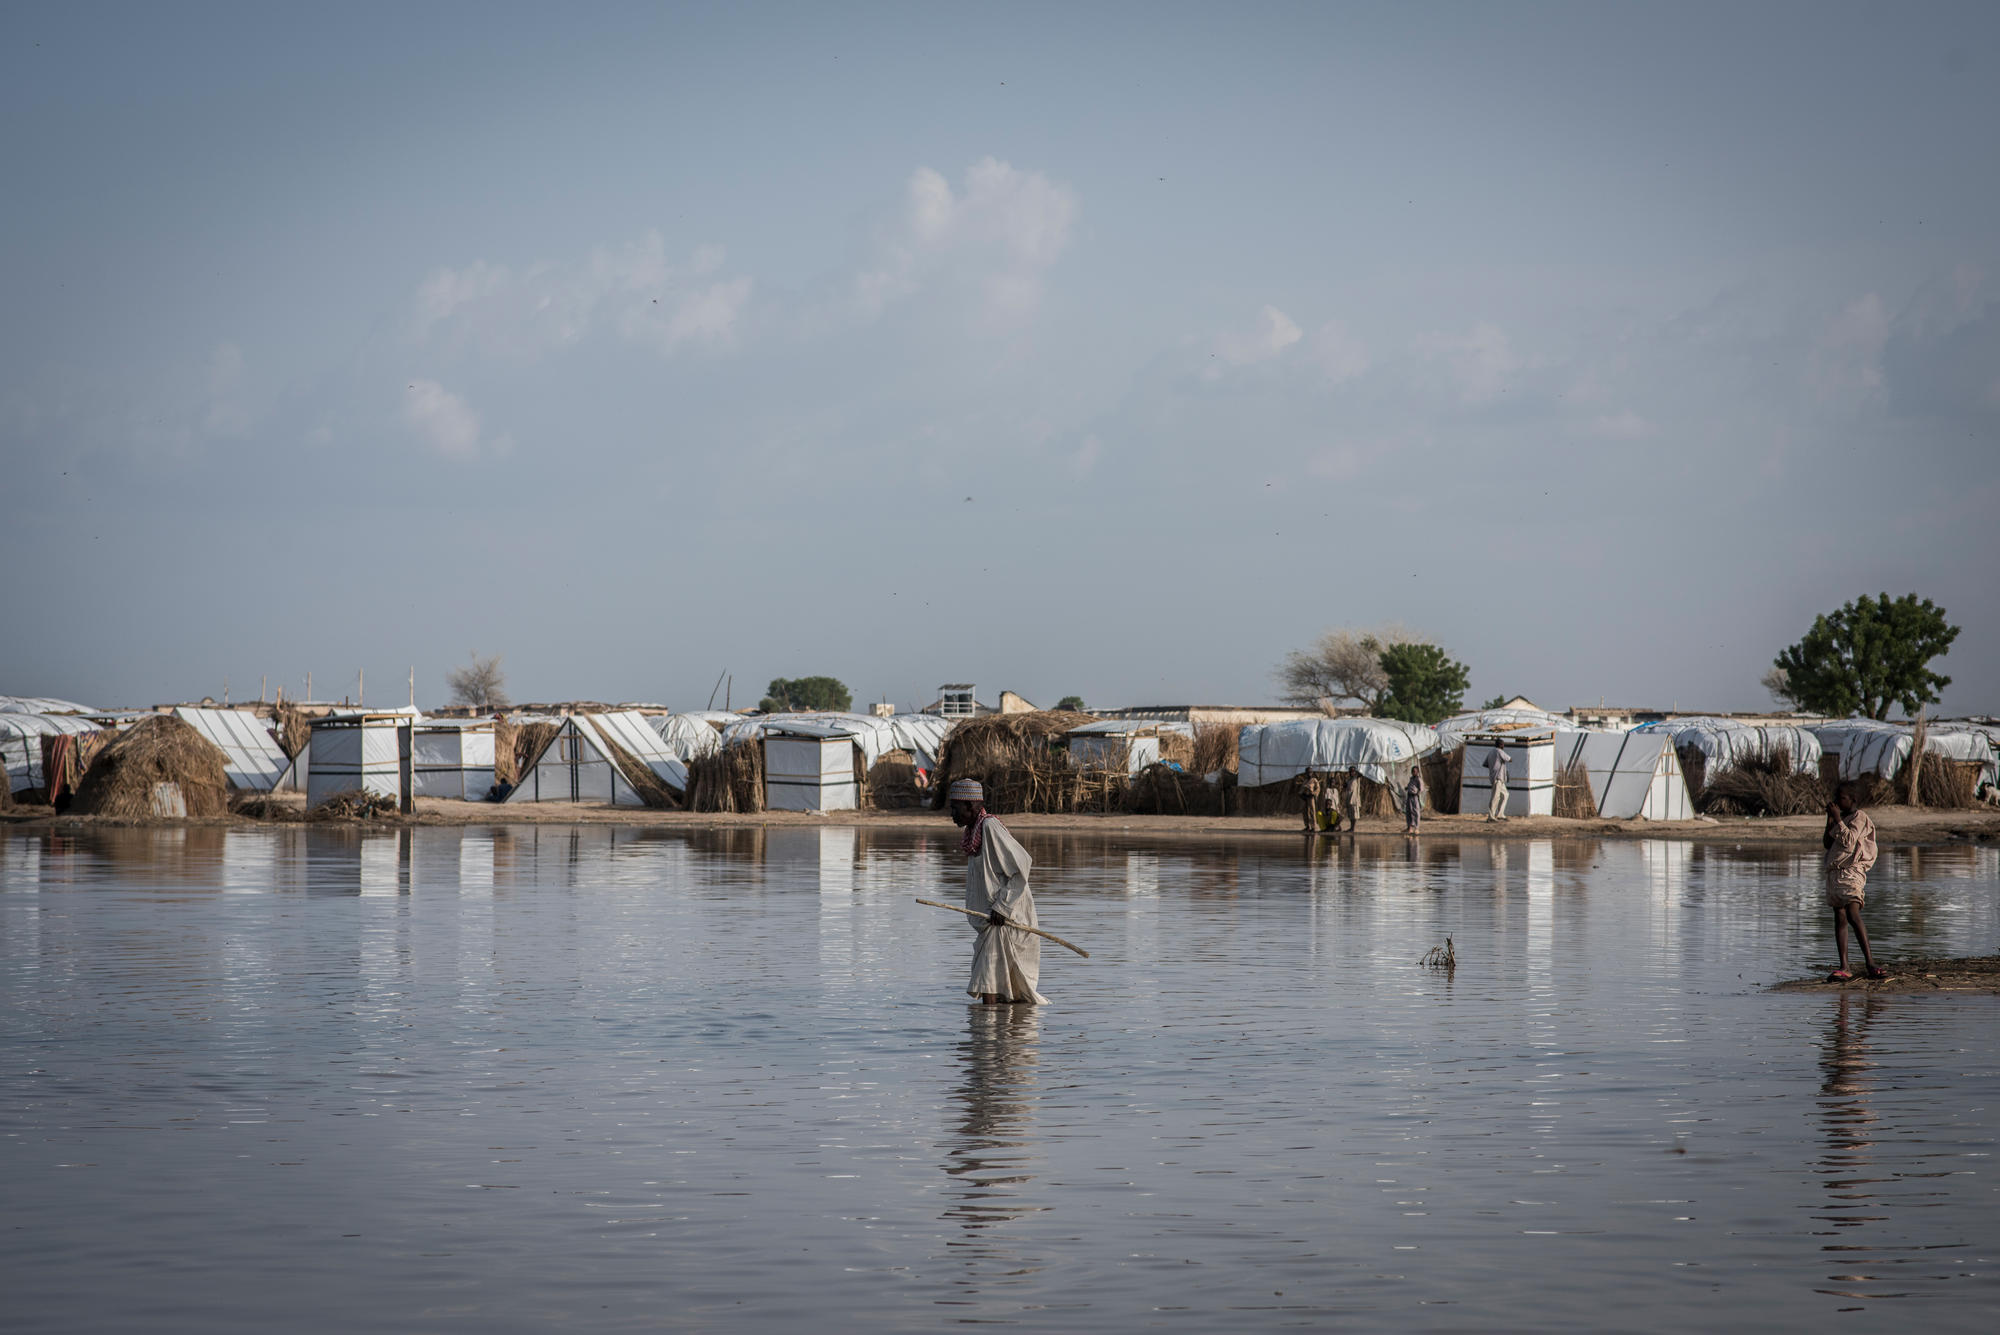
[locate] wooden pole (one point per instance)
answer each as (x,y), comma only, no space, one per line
(1917,741)
(1032,931)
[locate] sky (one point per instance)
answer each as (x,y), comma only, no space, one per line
(1108,350)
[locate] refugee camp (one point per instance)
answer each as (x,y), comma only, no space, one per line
(1077,669)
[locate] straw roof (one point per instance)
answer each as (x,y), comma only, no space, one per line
(156,750)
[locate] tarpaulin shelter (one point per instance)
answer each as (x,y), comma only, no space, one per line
(809,766)
(1725,741)
(1531,772)
(579,765)
(369,753)
(1633,775)
(922,735)
(454,758)
(1871,746)
(686,735)
(1379,749)
(21,744)
(41,704)
(252,758)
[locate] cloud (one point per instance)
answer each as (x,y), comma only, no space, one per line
(1272,332)
(1480,363)
(634,290)
(998,236)
(441,419)
(1339,353)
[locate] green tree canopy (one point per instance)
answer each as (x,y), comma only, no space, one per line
(1872,653)
(783,695)
(1425,685)
(1074,702)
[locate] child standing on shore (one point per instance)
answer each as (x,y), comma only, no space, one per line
(1850,853)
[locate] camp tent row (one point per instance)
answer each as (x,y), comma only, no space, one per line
(817,761)
(1726,741)
(1870,746)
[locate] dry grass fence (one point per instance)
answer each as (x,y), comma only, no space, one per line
(1573,798)
(122,782)
(652,789)
(731,779)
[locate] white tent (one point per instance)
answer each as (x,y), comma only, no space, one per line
(1135,741)
(920,734)
(252,758)
(1726,741)
(40,704)
(1274,752)
(21,744)
(809,766)
(1989,772)
(454,758)
(687,736)
(576,766)
(1870,746)
(1633,775)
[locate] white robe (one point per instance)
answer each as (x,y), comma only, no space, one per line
(1005,963)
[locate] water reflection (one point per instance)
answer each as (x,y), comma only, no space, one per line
(991,1136)
(1848,1122)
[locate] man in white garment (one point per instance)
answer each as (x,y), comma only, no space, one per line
(1006,964)
(1496,767)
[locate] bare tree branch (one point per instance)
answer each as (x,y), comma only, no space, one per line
(480,683)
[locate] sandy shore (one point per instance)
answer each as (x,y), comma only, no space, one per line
(1897,825)
(1980,973)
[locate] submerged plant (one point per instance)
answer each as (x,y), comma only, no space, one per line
(1440,957)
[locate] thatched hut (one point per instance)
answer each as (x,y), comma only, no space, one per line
(160,766)
(1024,763)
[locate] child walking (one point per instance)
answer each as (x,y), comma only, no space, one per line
(1850,853)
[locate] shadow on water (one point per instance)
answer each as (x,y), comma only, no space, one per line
(992,1147)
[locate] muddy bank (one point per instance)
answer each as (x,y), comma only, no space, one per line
(1897,825)
(1979,973)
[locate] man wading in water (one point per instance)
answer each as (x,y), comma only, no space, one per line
(1006,964)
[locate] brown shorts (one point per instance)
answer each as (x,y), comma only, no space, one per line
(1842,891)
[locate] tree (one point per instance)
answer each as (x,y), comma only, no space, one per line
(1424,684)
(480,683)
(1495,702)
(783,696)
(1343,664)
(1872,653)
(1074,703)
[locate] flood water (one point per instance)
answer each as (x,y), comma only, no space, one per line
(522,1079)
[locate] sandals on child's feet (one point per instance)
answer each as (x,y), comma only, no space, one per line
(1877,971)
(1840,976)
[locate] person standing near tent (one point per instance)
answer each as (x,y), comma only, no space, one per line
(1413,799)
(1850,853)
(1496,769)
(1351,802)
(1309,801)
(1006,964)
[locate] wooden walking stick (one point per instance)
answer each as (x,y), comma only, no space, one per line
(1032,931)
